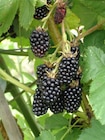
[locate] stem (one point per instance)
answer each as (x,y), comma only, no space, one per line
(54,31)
(49,14)
(88,108)
(7,77)
(16,53)
(32,84)
(91,30)
(68,130)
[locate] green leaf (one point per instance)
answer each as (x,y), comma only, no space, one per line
(94,62)
(46,135)
(95,39)
(3,84)
(97,96)
(95,132)
(72,135)
(56,121)
(8,9)
(27,9)
(89,11)
(71,19)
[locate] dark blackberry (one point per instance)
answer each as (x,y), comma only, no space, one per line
(72,99)
(75,50)
(49,1)
(41,12)
(39,107)
(60,13)
(50,89)
(67,69)
(39,41)
(58,105)
(42,71)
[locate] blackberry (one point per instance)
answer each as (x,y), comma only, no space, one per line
(42,71)
(50,89)
(72,99)
(67,69)
(58,105)
(39,41)
(41,12)
(39,107)
(75,50)
(49,1)
(60,13)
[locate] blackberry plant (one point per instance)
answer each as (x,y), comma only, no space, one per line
(39,41)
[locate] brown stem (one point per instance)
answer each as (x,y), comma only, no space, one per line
(91,30)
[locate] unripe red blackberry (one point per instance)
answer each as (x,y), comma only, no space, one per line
(67,69)
(41,12)
(50,89)
(39,107)
(60,13)
(58,105)
(39,41)
(72,99)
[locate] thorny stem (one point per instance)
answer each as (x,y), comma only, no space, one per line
(91,30)
(7,77)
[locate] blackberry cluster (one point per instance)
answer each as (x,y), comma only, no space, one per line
(67,69)
(60,13)
(62,91)
(41,12)
(72,98)
(39,107)
(39,41)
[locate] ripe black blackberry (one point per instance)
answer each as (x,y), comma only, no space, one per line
(39,41)
(67,69)
(50,89)
(39,107)
(42,71)
(72,99)
(60,13)
(41,12)
(49,1)
(58,105)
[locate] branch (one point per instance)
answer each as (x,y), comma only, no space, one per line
(10,79)
(12,52)
(91,30)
